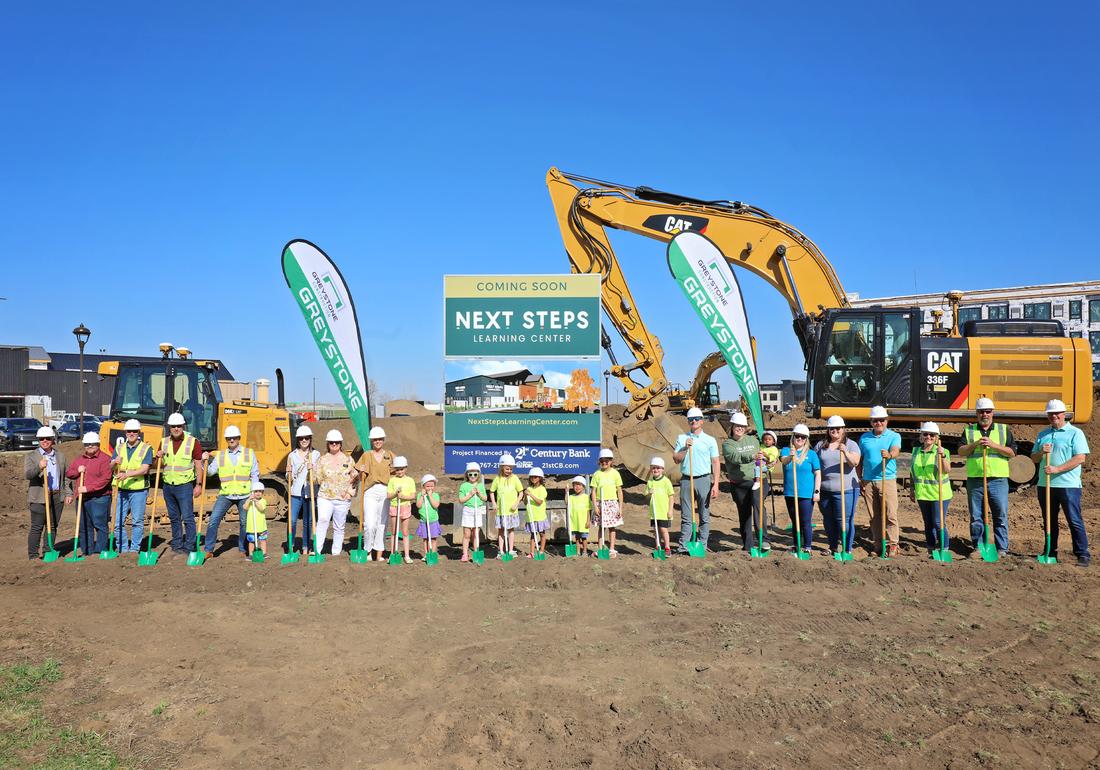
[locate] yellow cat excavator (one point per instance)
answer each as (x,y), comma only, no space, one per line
(855,358)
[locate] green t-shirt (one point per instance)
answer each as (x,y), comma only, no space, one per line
(429,507)
(507,491)
(606,483)
(738,456)
(536,503)
(578,505)
(659,503)
(475,501)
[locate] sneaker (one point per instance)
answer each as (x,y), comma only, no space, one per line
(893,550)
(668,552)
(766,547)
(1002,554)
(613,553)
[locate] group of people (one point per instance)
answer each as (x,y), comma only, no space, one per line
(833,474)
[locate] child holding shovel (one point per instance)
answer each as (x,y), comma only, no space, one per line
(401,491)
(472,495)
(535,494)
(579,510)
(504,495)
(427,508)
(660,492)
(255,525)
(607,498)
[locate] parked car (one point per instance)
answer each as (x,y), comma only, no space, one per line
(71,429)
(18,432)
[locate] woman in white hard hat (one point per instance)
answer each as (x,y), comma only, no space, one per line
(800,459)
(930,463)
(96,492)
(39,465)
(298,464)
(742,456)
(336,479)
(829,451)
(375,468)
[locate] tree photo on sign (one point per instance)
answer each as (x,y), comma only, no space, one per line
(581,393)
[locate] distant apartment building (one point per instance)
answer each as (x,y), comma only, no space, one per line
(781,396)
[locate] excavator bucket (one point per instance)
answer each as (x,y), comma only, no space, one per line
(638,441)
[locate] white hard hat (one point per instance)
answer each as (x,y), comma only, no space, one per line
(984,403)
(877,412)
(535,472)
(801,430)
(132,425)
(506,460)
(232,432)
(91,438)
(400,462)
(929,427)
(694,412)
(606,454)
(836,421)
(739,418)
(579,480)
(426,478)
(45,432)
(176,419)
(772,434)
(334,435)
(257,486)
(658,461)
(376,432)
(473,467)
(303,431)
(1055,405)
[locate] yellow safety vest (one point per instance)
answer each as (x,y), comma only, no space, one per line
(923,469)
(131,462)
(179,467)
(996,464)
(236,477)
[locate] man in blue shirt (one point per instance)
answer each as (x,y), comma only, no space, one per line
(879,449)
(1061,450)
(703,457)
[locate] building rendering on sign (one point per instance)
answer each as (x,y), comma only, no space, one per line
(1076,305)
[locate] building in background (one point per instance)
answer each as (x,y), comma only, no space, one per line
(781,396)
(1076,305)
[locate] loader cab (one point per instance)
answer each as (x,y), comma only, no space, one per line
(865,357)
(150,391)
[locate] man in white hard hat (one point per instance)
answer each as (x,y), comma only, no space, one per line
(181,455)
(742,456)
(988,448)
(303,494)
(96,491)
(236,469)
(375,468)
(1061,450)
(132,458)
(44,468)
(701,462)
(879,449)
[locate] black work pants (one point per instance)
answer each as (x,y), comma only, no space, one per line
(749,513)
(38,523)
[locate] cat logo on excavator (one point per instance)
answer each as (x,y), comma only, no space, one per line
(674,225)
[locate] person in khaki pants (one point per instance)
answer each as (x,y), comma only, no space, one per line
(879,449)
(37,464)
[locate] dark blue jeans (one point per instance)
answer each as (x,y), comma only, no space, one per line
(300,506)
(805,518)
(1069,501)
(221,507)
(932,523)
(180,501)
(830,513)
(998,511)
(93,524)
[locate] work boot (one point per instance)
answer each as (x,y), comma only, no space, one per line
(1082,561)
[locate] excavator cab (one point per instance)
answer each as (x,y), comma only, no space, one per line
(150,391)
(864,357)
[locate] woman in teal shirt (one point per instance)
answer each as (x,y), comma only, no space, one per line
(798,458)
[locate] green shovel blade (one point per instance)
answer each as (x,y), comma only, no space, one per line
(147,559)
(506,557)
(75,557)
(570,550)
(478,556)
(355,555)
(432,557)
(395,558)
(603,553)
(802,555)
(658,553)
(842,556)
(52,554)
(319,558)
(196,558)
(257,556)
(290,558)
(697,549)
(108,554)
(1043,559)
(941,555)
(757,552)
(989,552)
(539,556)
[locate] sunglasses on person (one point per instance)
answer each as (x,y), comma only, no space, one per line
(304,438)
(133,431)
(835,430)
(877,420)
(471,473)
(695,419)
(799,438)
(335,443)
(928,435)
(985,411)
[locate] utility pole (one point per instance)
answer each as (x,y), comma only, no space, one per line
(315,395)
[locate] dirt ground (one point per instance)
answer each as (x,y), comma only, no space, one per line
(719,662)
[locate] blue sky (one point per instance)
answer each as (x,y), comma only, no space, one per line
(156,159)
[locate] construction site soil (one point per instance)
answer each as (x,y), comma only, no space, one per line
(718,662)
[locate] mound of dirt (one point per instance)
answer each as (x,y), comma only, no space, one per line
(404,407)
(420,439)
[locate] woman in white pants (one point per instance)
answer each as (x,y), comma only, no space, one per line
(374,469)
(336,476)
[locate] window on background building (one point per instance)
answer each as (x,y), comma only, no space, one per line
(1075,310)
(1037,311)
(1094,342)
(969,314)
(997,312)
(1014,312)
(1056,310)
(1094,311)
(1096,371)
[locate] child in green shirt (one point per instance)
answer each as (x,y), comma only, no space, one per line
(505,494)
(578,509)
(472,495)
(427,508)
(659,489)
(535,494)
(400,491)
(255,520)
(607,498)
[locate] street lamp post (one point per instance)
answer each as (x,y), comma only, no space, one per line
(82,333)
(606,374)
(315,395)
